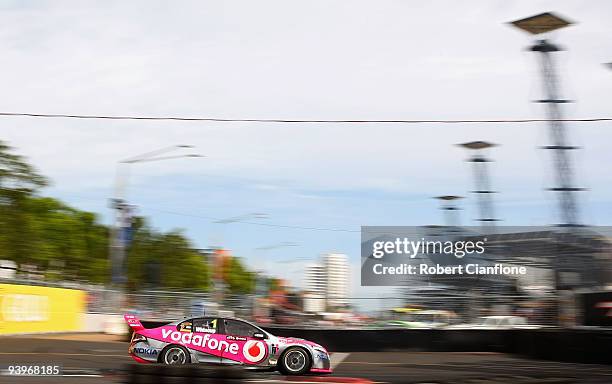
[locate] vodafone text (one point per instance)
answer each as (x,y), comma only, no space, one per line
(200,341)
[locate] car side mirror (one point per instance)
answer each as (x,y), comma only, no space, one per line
(259,335)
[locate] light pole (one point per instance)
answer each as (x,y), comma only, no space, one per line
(535,25)
(482,182)
(122,210)
(449,208)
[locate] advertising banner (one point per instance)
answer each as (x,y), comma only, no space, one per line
(33,309)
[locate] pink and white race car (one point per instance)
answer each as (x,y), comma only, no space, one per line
(227,341)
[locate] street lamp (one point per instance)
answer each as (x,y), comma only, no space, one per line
(122,210)
(122,174)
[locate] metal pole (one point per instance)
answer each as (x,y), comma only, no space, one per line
(485,204)
(450,215)
(118,205)
(121,209)
(481,182)
(568,208)
(450,210)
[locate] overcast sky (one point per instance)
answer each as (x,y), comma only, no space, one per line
(303,60)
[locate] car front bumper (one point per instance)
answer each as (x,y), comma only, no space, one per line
(321,362)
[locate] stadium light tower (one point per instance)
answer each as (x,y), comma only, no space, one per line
(481,181)
(536,25)
(450,209)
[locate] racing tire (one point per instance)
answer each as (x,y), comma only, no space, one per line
(175,355)
(294,361)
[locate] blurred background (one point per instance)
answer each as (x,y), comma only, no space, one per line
(261,219)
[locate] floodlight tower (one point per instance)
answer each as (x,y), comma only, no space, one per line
(535,25)
(481,180)
(449,208)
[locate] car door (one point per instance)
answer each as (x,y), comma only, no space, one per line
(246,343)
(205,339)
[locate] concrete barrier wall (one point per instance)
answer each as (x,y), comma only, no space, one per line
(576,345)
(570,345)
(109,324)
(373,340)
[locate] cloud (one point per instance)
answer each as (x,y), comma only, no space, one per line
(311,59)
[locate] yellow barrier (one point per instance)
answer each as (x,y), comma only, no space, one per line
(32,309)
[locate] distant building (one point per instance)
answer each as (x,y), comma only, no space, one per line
(327,283)
(337,279)
(316,281)
(316,285)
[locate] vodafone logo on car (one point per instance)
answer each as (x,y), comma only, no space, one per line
(207,341)
(254,351)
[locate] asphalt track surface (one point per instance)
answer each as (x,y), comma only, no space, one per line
(99,359)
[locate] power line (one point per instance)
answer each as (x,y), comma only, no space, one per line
(216,220)
(213,219)
(322,121)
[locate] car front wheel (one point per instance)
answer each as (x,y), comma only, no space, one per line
(295,361)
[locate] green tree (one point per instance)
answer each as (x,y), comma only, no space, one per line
(165,260)
(55,233)
(238,278)
(56,237)
(44,231)
(18,182)
(16,174)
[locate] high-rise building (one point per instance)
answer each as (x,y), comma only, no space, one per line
(327,283)
(315,278)
(314,296)
(337,279)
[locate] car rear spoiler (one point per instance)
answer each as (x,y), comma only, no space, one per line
(133,322)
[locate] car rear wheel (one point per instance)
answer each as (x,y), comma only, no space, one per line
(295,361)
(175,355)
